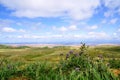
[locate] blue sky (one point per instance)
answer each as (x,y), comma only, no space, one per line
(59,21)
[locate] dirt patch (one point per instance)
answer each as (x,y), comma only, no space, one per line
(19,78)
(116,71)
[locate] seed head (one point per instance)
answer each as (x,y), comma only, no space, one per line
(67,56)
(9,66)
(77,54)
(71,52)
(77,69)
(108,64)
(100,56)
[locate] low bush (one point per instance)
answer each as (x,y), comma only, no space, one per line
(114,63)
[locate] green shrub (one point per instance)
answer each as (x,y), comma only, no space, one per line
(114,63)
(85,67)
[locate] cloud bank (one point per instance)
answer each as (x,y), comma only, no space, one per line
(73,9)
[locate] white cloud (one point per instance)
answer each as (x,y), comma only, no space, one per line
(93,27)
(98,35)
(29,36)
(113,21)
(80,36)
(118,30)
(74,9)
(108,13)
(93,36)
(90,35)
(5,23)
(73,27)
(113,7)
(21,30)
(115,34)
(39,36)
(63,29)
(10,29)
(19,24)
(112,4)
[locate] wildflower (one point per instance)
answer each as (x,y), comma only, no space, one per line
(9,66)
(67,56)
(100,56)
(77,69)
(81,53)
(76,55)
(108,64)
(71,52)
(113,59)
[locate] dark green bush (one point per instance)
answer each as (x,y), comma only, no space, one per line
(114,63)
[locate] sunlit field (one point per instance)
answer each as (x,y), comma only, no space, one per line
(60,63)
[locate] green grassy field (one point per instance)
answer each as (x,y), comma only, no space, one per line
(34,54)
(28,63)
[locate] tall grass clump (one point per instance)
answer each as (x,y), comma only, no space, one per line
(9,69)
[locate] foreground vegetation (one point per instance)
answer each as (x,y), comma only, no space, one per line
(59,63)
